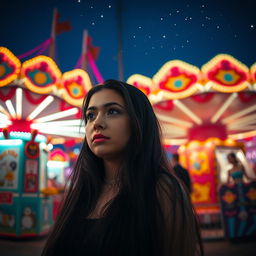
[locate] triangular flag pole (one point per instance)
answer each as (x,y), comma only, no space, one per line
(53,34)
(119,23)
(84,49)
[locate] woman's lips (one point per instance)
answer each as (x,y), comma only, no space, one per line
(98,140)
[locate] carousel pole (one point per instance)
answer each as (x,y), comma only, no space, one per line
(53,34)
(84,49)
(119,39)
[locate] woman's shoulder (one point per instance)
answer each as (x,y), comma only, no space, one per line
(241,166)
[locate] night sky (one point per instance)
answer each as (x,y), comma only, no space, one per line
(153,32)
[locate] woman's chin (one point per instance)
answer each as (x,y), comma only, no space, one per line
(106,155)
(102,153)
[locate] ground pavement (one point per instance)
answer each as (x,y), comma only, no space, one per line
(212,248)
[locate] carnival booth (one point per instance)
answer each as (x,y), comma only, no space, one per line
(23,161)
(58,172)
(218,204)
(39,106)
(250,147)
(57,166)
(209,112)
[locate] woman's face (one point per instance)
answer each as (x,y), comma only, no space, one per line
(231,159)
(108,125)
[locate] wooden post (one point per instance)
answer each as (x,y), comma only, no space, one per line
(53,34)
(84,50)
(119,39)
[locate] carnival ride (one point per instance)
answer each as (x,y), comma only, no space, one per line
(38,106)
(203,111)
(209,112)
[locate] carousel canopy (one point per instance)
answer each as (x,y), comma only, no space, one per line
(217,100)
(35,95)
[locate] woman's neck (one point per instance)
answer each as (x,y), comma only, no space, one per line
(236,166)
(111,171)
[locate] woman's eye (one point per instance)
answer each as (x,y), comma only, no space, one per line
(89,116)
(112,111)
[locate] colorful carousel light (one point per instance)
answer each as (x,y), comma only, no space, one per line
(36,96)
(217,100)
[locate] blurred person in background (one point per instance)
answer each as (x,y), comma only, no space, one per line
(181,172)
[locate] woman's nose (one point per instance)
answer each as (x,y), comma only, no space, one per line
(99,122)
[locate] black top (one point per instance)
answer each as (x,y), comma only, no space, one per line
(105,236)
(81,238)
(183,174)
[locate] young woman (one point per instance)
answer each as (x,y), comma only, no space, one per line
(237,172)
(122,199)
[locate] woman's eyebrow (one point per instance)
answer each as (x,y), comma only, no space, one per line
(105,106)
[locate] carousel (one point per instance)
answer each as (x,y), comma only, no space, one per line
(39,107)
(205,114)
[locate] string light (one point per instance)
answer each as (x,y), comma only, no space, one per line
(62,133)
(172,129)
(239,114)
(53,128)
(40,107)
(187,111)
(4,111)
(241,123)
(173,120)
(225,105)
(10,108)
(58,115)
(19,102)
(75,122)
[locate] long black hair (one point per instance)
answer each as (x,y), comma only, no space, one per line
(152,213)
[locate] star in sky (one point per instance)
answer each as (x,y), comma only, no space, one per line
(153,32)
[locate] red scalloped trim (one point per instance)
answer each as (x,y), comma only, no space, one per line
(33,100)
(203,98)
(65,106)
(9,95)
(165,105)
(246,97)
